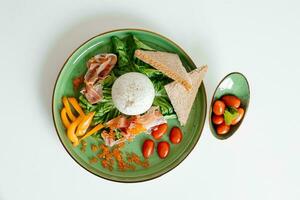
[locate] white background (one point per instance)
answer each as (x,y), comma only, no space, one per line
(258,38)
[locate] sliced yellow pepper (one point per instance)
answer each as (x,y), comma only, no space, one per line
(137,129)
(84,124)
(91,132)
(68,109)
(71,131)
(64,118)
(76,105)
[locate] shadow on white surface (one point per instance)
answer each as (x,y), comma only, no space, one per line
(71,38)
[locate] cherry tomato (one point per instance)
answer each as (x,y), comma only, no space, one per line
(175,135)
(148,148)
(231,100)
(217,119)
(159,131)
(219,107)
(241,114)
(223,128)
(163,149)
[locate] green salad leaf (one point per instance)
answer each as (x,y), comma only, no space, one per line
(230,114)
(140,45)
(120,48)
(118,134)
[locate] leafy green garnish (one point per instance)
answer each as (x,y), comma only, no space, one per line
(124,49)
(161,98)
(118,134)
(150,72)
(121,50)
(230,114)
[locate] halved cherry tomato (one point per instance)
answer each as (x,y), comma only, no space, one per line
(148,148)
(217,119)
(241,114)
(175,135)
(163,149)
(231,100)
(219,107)
(159,131)
(223,128)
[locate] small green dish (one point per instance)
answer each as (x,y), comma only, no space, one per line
(236,84)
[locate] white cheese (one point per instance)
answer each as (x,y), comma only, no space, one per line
(133,93)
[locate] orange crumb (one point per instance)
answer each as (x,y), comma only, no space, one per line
(94,148)
(77,82)
(132,157)
(93,160)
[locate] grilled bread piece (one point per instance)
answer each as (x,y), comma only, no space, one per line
(168,63)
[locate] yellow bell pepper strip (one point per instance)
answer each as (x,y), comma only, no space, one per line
(68,109)
(91,132)
(84,124)
(136,129)
(71,131)
(76,105)
(64,118)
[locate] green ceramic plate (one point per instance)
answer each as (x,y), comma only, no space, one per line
(76,65)
(236,84)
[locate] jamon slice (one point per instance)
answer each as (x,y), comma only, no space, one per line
(132,126)
(99,67)
(93,93)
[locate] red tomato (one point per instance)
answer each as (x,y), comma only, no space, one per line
(148,148)
(217,119)
(223,128)
(159,131)
(219,107)
(175,135)
(241,114)
(231,100)
(163,149)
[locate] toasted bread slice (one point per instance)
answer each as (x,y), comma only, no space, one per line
(168,63)
(181,99)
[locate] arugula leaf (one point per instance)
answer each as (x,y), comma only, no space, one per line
(230,114)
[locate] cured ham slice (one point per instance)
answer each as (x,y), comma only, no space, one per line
(118,122)
(151,118)
(132,126)
(99,67)
(93,93)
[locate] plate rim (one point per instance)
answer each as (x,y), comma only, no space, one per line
(54,89)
